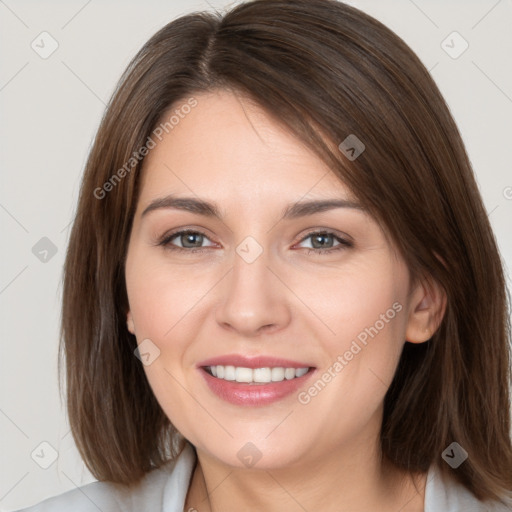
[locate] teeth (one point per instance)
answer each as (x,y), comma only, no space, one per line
(289,373)
(229,373)
(243,374)
(256,375)
(277,374)
(299,372)
(262,374)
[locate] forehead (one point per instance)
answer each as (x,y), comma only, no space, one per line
(229,149)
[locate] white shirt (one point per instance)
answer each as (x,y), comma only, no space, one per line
(165,489)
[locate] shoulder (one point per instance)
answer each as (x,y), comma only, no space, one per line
(451,496)
(160,489)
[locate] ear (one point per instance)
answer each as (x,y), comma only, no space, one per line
(427,309)
(129,322)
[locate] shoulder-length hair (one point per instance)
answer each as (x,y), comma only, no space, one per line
(325,70)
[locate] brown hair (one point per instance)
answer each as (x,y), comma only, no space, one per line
(325,70)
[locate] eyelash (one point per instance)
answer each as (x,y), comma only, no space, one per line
(166,239)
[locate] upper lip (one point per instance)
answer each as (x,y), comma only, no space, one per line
(253,362)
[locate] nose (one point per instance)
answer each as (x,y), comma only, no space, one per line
(254,299)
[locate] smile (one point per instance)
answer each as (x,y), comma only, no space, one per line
(255,375)
(254,380)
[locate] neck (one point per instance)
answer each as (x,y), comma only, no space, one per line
(348,479)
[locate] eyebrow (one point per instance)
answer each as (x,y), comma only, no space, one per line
(292,211)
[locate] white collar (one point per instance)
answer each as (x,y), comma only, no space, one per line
(440,495)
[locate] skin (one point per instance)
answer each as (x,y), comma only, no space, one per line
(323,455)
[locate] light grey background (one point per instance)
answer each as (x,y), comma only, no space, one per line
(50,110)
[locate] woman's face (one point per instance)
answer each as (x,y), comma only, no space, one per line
(265,284)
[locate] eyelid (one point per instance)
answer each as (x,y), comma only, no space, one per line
(348,240)
(329,231)
(169,235)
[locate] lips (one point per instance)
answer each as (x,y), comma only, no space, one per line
(253,381)
(253,362)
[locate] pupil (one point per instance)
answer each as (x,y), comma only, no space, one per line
(321,237)
(190,238)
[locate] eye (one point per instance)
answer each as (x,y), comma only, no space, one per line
(190,240)
(323,242)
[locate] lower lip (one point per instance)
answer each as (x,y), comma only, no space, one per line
(253,394)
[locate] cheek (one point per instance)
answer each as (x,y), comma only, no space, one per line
(162,304)
(160,297)
(372,309)
(365,311)
(355,301)
(167,303)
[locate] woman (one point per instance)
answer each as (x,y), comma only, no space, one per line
(282,291)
